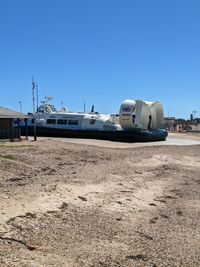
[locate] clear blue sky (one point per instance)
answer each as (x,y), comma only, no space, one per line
(103,51)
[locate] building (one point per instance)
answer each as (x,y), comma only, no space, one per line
(9,124)
(177,125)
(169,123)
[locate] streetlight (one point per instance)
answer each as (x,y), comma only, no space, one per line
(194,113)
(20,106)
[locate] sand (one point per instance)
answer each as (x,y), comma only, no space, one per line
(70,203)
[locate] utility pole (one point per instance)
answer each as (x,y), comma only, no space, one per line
(194,113)
(33,95)
(37,97)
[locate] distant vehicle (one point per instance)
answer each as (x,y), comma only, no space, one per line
(137,121)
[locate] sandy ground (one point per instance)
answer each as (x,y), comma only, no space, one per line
(73,203)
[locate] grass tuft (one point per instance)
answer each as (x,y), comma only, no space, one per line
(9,157)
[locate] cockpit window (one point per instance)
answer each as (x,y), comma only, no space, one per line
(46,108)
(53,108)
(41,109)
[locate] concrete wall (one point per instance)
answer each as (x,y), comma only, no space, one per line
(195,127)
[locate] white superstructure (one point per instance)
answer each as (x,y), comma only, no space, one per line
(132,115)
(48,116)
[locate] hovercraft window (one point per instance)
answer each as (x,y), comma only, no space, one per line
(63,122)
(92,121)
(51,121)
(73,122)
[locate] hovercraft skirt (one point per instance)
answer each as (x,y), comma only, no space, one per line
(122,136)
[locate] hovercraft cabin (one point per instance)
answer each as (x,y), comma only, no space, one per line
(9,124)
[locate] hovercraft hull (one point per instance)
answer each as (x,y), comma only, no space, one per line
(137,135)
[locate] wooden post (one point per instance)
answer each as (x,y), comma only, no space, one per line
(33,94)
(18,129)
(26,128)
(11,130)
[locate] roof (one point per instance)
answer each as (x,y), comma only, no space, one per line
(169,118)
(6,113)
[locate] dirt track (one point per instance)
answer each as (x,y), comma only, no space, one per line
(65,204)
